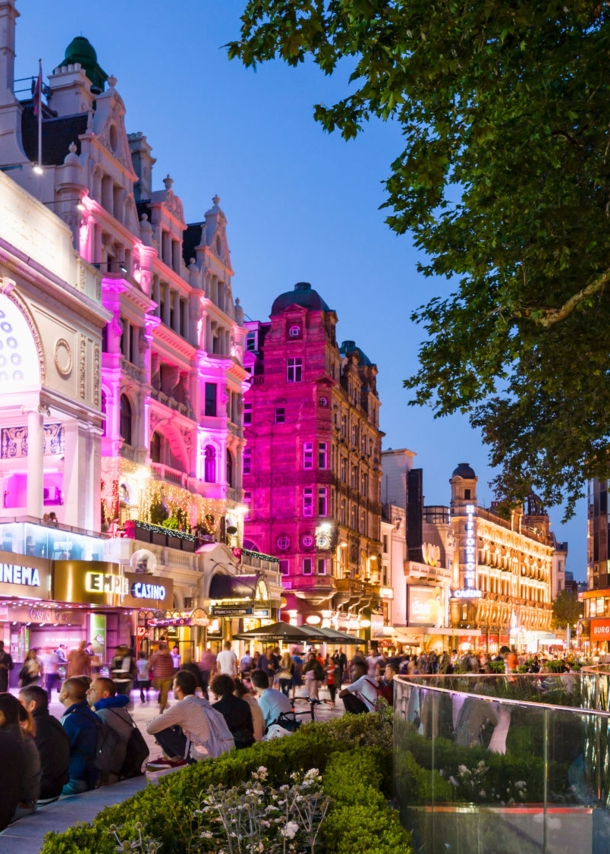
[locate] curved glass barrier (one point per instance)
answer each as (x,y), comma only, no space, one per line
(502,764)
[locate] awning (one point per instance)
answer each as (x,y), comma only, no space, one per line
(233,586)
(277,631)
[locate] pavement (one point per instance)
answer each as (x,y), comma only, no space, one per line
(26,835)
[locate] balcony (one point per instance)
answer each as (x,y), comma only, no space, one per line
(171,475)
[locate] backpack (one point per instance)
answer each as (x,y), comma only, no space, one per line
(385,691)
(109,750)
(220,739)
(135,756)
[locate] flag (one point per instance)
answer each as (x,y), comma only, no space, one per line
(38,91)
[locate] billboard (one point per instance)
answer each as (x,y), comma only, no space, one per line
(424,606)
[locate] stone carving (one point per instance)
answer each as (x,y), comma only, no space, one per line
(96,376)
(83,367)
(14,440)
(62,357)
(9,290)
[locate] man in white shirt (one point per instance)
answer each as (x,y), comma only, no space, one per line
(365,689)
(226,661)
(272,703)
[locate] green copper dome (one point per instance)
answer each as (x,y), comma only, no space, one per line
(81,50)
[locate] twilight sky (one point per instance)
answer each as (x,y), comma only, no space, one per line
(301,205)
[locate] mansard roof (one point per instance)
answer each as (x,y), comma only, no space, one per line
(57,134)
(303,295)
(350,347)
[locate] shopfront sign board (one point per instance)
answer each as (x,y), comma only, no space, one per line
(600,630)
(149,591)
(24,576)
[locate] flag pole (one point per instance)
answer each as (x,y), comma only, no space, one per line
(40,115)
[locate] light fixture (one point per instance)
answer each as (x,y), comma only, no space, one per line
(38,170)
(313,620)
(80,207)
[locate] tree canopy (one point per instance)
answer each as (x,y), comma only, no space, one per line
(567,609)
(504,182)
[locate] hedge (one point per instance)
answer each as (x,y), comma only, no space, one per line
(354,754)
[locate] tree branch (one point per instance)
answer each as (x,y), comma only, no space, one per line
(554,315)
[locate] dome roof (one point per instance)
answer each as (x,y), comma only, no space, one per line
(81,50)
(350,347)
(464,470)
(303,295)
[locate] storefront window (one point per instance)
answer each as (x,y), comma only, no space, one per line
(25,538)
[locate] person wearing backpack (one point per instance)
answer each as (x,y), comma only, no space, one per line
(81,726)
(189,730)
(110,706)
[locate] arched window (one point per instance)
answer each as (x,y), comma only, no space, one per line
(104,412)
(229,468)
(125,426)
(209,473)
(155,448)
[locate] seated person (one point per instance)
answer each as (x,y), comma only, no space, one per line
(258,721)
(183,731)
(360,696)
(11,767)
(110,707)
(272,703)
(29,778)
(236,712)
(81,726)
(51,740)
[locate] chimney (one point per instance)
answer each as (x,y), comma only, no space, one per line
(11,149)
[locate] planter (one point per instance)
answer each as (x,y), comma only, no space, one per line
(522,829)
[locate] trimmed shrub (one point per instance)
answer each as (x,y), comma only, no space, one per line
(166,810)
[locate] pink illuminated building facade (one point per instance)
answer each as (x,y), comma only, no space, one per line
(159,416)
(312,463)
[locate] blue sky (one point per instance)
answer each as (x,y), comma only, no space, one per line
(302,205)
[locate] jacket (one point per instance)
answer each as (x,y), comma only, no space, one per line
(80,724)
(54,748)
(238,717)
(162,665)
(11,766)
(29,782)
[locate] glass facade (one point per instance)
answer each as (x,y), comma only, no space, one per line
(25,538)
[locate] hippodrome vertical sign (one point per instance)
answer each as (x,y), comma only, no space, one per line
(470,575)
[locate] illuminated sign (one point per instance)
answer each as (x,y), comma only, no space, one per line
(12,573)
(104,582)
(600,629)
(467,594)
(148,591)
(470,576)
(424,606)
(386,593)
(431,554)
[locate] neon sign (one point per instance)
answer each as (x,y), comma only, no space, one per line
(104,582)
(139,590)
(467,594)
(471,547)
(12,573)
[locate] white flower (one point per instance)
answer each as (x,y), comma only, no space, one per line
(520,784)
(262,772)
(463,770)
(482,793)
(290,830)
(313,772)
(206,834)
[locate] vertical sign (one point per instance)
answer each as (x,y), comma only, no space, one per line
(97,634)
(470,576)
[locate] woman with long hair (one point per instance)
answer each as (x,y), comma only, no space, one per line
(10,715)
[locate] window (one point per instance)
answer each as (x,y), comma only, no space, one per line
(229,468)
(307,565)
(365,485)
(343,516)
(308,501)
(323,455)
(280,416)
(307,455)
(155,448)
(363,523)
(344,426)
(321,566)
(294,373)
(209,469)
(247,461)
(284,567)
(354,477)
(353,516)
(210,400)
(283,543)
(385,544)
(354,435)
(247,497)
(125,419)
(363,444)
(467,494)
(343,469)
(323,501)
(294,332)
(252,342)
(247,413)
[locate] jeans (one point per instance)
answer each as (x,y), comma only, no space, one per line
(285,685)
(172,742)
(75,787)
